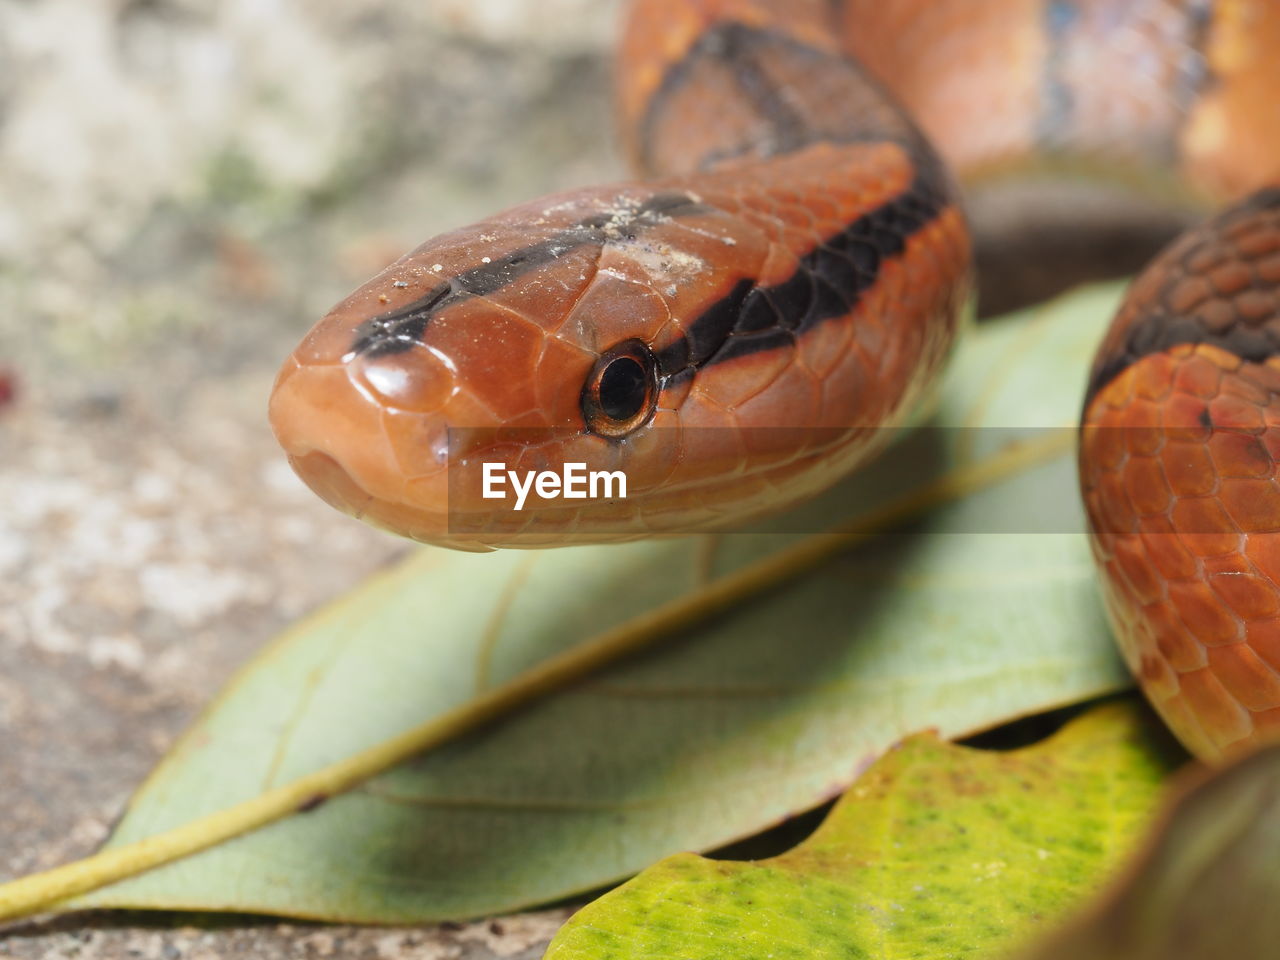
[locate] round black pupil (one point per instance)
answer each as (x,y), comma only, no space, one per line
(622,389)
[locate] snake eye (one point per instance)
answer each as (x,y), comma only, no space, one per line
(622,390)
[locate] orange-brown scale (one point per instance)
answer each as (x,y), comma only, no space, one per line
(744,80)
(661,34)
(1149,85)
(943,57)
(1230,144)
(1178,466)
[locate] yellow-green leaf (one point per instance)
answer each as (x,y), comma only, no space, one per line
(937,851)
(1207,887)
(766,710)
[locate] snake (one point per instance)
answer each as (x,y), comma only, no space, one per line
(740,325)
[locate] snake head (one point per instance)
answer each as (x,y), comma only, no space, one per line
(726,348)
(531,340)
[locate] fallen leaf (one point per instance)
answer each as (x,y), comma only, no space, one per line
(937,851)
(1207,886)
(763,712)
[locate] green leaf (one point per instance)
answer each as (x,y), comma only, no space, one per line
(937,851)
(752,717)
(1205,889)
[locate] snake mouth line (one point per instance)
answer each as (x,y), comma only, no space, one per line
(331,482)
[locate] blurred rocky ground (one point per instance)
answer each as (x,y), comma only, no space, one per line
(184,188)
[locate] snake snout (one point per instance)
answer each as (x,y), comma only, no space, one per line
(360,453)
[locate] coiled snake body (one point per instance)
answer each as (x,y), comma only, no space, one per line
(733,332)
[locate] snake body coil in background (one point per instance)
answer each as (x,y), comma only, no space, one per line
(733,332)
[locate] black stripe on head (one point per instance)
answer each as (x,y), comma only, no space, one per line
(736,48)
(399,330)
(1254,341)
(828,283)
